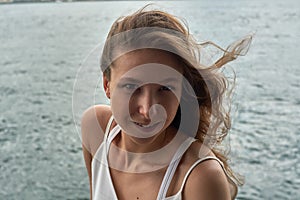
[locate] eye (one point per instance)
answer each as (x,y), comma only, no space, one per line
(167,88)
(130,86)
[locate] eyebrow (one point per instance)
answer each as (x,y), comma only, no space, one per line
(129,79)
(171,79)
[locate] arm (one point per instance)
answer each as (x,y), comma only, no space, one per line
(88,160)
(207,181)
(93,123)
(86,144)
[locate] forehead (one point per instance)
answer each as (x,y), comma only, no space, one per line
(156,58)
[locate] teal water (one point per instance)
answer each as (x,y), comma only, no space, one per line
(42,46)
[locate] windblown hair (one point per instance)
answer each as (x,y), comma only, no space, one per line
(210,85)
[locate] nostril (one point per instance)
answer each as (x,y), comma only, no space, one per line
(145,113)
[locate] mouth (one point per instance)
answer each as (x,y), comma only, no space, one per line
(147,127)
(143,125)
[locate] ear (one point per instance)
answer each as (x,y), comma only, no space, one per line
(106,86)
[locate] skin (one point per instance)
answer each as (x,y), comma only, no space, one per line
(138,98)
(206,181)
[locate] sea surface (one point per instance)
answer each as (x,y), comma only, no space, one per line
(43,46)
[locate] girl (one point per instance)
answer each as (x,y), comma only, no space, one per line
(158,138)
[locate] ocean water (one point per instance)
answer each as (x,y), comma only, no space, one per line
(43,45)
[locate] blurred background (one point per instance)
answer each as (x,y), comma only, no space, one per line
(43,46)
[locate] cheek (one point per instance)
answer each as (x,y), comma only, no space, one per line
(171,105)
(119,104)
(132,105)
(173,109)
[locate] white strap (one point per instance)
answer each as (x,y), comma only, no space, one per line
(113,133)
(108,127)
(172,168)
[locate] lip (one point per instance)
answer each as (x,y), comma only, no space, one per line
(147,128)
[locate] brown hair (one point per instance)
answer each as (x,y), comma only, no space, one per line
(209,84)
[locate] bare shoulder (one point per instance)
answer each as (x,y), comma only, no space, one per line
(93,123)
(99,112)
(207,179)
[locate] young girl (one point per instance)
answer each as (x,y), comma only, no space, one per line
(158,138)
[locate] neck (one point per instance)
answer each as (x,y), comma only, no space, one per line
(129,154)
(143,145)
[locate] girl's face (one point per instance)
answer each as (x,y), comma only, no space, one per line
(144,90)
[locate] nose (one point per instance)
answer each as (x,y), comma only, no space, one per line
(145,100)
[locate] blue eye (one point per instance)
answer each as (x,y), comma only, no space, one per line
(130,86)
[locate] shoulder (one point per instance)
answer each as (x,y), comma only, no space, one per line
(93,124)
(207,180)
(96,112)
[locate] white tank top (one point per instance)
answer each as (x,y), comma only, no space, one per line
(102,185)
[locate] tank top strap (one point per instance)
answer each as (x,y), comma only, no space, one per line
(108,127)
(172,168)
(198,162)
